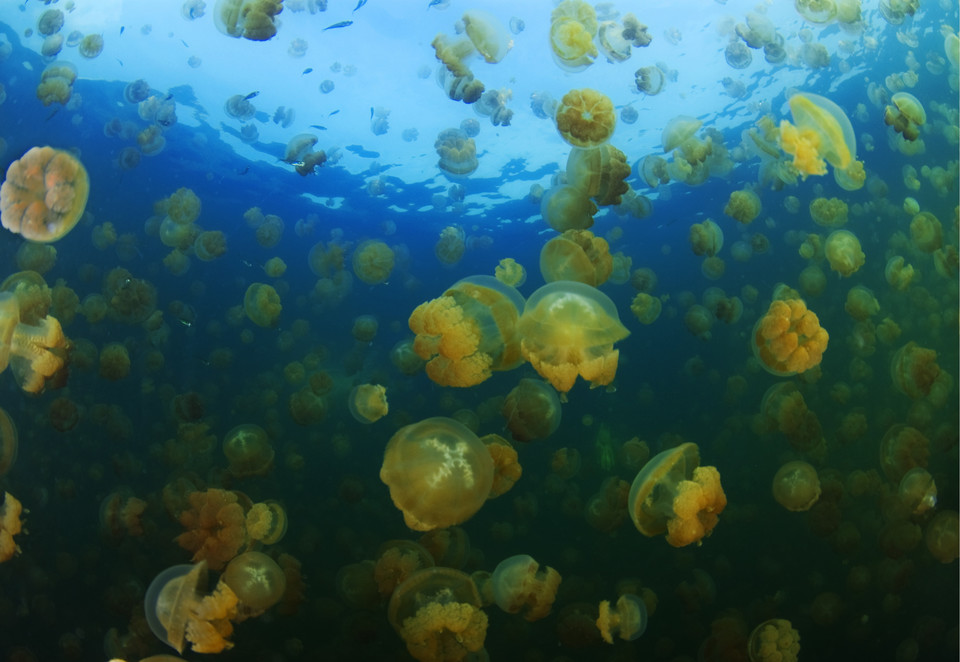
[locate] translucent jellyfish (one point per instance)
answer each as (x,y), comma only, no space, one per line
(450,245)
(573,25)
(788,339)
(493,104)
(410,135)
(649,80)
(519,585)
(941,536)
(368,403)
(137,91)
(34,352)
(743,206)
(437,613)
(585,117)
(191,10)
(250,19)
(844,253)
(568,329)
(438,471)
(678,130)
(600,172)
(50,22)
(510,272)
(737,55)
(469,332)
(248,451)
(774,640)
(576,255)
(829,212)
(256,580)
(262,305)
(627,620)
(532,410)
(90,46)
(796,486)
(822,133)
(239,107)
(706,238)
(926,232)
(903,448)
(615,47)
(487,34)
(646,308)
(373,262)
(567,208)
(861,304)
(457,151)
(914,370)
(905,114)
(674,494)
(629,115)
(44,194)
(917,491)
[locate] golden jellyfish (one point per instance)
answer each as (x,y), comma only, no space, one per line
(487,35)
(796,486)
(248,450)
(628,619)
(210,245)
(905,114)
(829,212)
(256,580)
(774,640)
(822,134)
(942,536)
(706,238)
(568,329)
(586,118)
(44,194)
(368,403)
(114,361)
(10,526)
(576,255)
(861,304)
(405,358)
(251,19)
(40,258)
(9,442)
(396,561)
(365,328)
(469,332)
(743,206)
(451,245)
(914,370)
(438,471)
(90,46)
(532,410)
(275,267)
(600,172)
(917,491)
(506,464)
(120,514)
(674,494)
(573,25)
(266,522)
(56,83)
(457,152)
(510,272)
(898,273)
(844,253)
(788,339)
(926,232)
(677,131)
(901,449)
(567,208)
(436,611)
(373,262)
(520,586)
(183,206)
(215,527)
(261,303)
(646,308)
(35,353)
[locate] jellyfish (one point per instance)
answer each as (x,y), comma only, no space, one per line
(788,339)
(510,272)
(903,448)
(368,403)
(677,131)
(822,134)
(576,255)
(646,308)
(743,206)
(114,361)
(942,539)
(34,352)
(737,55)
(796,486)
(248,451)
(917,491)
(487,34)
(256,580)
(44,194)
(706,238)
(585,117)
(10,526)
(506,464)
(926,232)
(90,46)
(532,410)
(210,245)
(493,104)
(373,262)
(674,494)
(599,172)
(519,585)
(457,151)
(914,370)
(774,640)
(50,22)
(436,611)
(861,304)
(906,115)
(573,24)
(438,471)
(829,212)
(261,303)
(629,115)
(568,329)
(844,253)
(567,208)
(469,332)
(214,527)
(649,80)
(250,19)
(628,620)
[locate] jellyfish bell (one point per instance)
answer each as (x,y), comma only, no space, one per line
(169,599)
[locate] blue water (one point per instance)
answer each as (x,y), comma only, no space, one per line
(74,592)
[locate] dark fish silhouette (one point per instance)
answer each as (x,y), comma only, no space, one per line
(307,71)
(122,28)
(317,126)
(334,113)
(251,95)
(360,4)
(341,24)
(185,43)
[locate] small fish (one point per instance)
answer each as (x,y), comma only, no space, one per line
(317,126)
(120,61)
(122,28)
(50,116)
(334,113)
(306,71)
(244,171)
(434,3)
(246,263)
(360,4)
(168,97)
(341,24)
(185,43)
(371,112)
(185,322)
(251,95)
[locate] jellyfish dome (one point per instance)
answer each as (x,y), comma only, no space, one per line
(44,194)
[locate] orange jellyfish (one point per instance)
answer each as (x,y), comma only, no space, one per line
(437,613)
(438,471)
(788,339)
(914,370)
(520,586)
(469,332)
(576,255)
(844,253)
(396,561)
(796,486)
(10,526)
(44,194)
(600,172)
(510,272)
(215,527)
(251,19)
(266,522)
(905,114)
(573,25)
(373,262)
(568,329)
(586,118)
(532,410)
(674,494)
(628,620)
(368,403)
(774,640)
(822,134)
(506,465)
(34,353)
